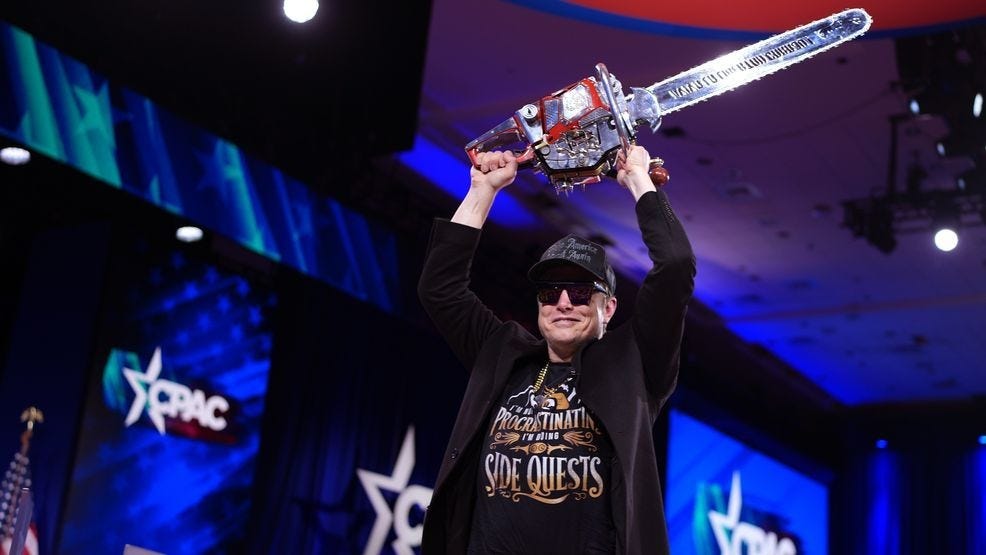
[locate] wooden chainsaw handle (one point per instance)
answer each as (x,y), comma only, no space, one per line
(658,175)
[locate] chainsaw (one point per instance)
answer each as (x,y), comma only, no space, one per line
(574,136)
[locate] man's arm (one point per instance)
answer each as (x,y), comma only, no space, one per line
(493,172)
(461,318)
(659,314)
(632,171)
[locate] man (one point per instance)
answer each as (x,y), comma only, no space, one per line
(552,450)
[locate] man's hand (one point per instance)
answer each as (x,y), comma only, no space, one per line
(494,170)
(632,171)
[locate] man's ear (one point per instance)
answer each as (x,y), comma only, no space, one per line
(609,308)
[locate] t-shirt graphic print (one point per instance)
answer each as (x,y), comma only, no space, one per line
(544,469)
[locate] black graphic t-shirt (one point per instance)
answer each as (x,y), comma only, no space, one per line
(544,472)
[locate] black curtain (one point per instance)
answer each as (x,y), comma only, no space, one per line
(925,492)
(47,360)
(346,382)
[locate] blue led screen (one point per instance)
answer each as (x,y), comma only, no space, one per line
(171,426)
(58,106)
(725,498)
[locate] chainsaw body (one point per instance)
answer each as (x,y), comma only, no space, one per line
(573,136)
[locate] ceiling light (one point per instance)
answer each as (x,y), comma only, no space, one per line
(947,217)
(977,105)
(300,11)
(964,141)
(15,156)
(946,239)
(188,234)
(915,106)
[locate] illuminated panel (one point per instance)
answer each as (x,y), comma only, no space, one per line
(978,510)
(57,106)
(726,498)
(451,174)
(172,419)
(883,514)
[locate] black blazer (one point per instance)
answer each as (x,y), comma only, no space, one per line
(624,378)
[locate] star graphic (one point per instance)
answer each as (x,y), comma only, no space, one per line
(222,168)
(301,208)
(375,484)
(732,535)
(96,113)
(256,316)
(139,382)
(724,523)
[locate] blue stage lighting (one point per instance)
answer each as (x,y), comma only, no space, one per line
(451,173)
(982,440)
(881,444)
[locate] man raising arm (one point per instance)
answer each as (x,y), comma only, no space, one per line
(552,450)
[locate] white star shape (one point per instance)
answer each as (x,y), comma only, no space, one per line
(753,537)
(138,383)
(722,522)
(374,484)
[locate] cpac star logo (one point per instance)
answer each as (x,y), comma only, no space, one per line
(174,400)
(753,537)
(407,537)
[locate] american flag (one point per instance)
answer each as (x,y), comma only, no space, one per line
(15,492)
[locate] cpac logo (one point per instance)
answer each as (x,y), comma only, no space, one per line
(753,537)
(174,400)
(409,496)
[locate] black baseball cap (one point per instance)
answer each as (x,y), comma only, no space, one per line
(579,251)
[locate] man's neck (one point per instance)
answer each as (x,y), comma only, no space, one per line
(560,355)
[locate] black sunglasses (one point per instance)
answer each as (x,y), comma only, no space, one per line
(579,293)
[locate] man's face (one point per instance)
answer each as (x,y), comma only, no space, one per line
(567,326)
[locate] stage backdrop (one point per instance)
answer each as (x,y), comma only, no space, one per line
(171,424)
(723,497)
(359,410)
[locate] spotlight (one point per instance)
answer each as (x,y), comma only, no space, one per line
(881,444)
(188,234)
(982,440)
(977,105)
(946,224)
(300,11)
(973,179)
(946,239)
(960,142)
(15,156)
(929,101)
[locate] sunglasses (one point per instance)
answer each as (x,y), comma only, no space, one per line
(579,293)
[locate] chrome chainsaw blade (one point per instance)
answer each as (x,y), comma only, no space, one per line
(757,60)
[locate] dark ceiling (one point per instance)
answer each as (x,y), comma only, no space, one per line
(315,99)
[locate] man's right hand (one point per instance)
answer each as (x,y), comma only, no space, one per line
(494,170)
(632,171)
